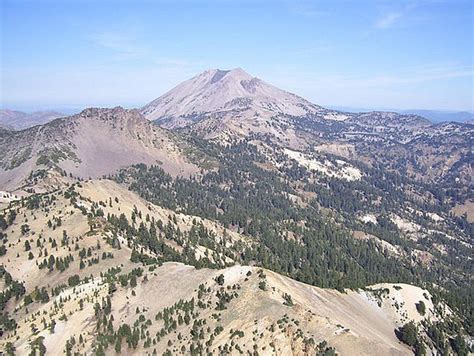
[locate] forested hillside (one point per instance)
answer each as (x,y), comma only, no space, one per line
(307,226)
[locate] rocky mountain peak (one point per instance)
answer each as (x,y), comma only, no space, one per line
(224,91)
(118,111)
(226,75)
(114,116)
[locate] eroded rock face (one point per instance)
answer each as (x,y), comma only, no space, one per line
(93,143)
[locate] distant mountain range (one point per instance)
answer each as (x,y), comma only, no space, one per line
(435,116)
(226,92)
(19,120)
(443,116)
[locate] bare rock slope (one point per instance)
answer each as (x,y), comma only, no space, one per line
(94,143)
(223,91)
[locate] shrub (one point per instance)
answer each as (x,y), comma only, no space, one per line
(408,333)
(288,301)
(220,279)
(73,280)
(420,306)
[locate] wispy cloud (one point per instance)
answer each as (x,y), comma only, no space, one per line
(394,16)
(412,86)
(427,74)
(407,76)
(174,62)
(388,20)
(312,50)
(305,9)
(126,46)
(129,46)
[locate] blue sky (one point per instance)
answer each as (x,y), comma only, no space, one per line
(369,54)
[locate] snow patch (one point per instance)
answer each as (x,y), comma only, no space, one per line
(341,169)
(435,217)
(405,225)
(369,218)
(336,116)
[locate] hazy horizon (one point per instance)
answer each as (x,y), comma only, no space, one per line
(73,109)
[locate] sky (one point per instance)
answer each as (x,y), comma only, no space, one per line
(365,54)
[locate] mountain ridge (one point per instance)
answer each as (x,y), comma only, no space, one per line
(93,143)
(291,317)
